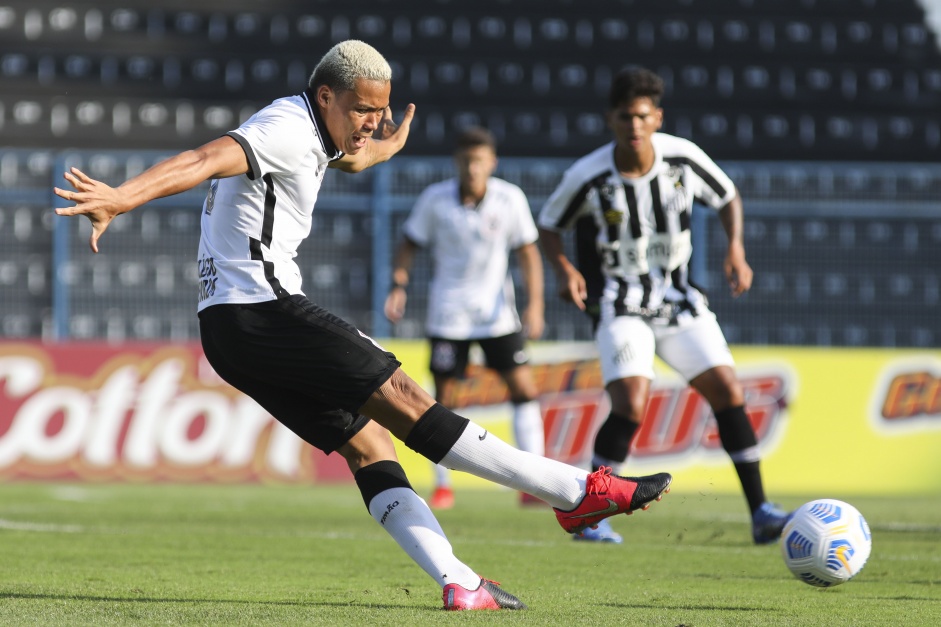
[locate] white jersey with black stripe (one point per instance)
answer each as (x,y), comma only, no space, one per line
(471,294)
(251,225)
(633,234)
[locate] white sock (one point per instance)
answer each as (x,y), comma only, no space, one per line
(407,518)
(528,428)
(442,477)
(485,455)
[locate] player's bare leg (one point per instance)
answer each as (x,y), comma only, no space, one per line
(443,495)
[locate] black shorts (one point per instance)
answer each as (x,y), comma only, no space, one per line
(503,354)
(310,369)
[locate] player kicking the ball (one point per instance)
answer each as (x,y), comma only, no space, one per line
(318,375)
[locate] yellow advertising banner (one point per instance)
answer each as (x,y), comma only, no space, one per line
(829,421)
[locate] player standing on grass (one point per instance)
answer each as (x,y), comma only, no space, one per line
(630,203)
(472,223)
(321,377)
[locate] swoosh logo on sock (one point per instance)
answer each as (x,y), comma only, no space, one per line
(611,509)
(481,437)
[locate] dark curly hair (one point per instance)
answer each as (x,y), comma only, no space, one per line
(635,82)
(474,136)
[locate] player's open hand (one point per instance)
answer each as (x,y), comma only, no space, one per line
(95,200)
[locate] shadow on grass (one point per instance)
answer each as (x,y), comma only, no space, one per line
(106,599)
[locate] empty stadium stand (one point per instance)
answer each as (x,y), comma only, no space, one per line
(825,113)
(775,79)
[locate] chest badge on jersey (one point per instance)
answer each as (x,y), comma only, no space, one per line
(611,214)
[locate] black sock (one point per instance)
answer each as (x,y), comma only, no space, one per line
(379,477)
(436,432)
(613,440)
(750,476)
(736,435)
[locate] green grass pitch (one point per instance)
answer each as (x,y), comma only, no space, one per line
(87,554)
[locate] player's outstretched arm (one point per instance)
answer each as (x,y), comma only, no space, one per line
(101,203)
(388,139)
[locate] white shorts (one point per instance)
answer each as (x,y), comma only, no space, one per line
(627,345)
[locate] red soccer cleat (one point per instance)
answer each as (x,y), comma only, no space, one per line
(487,596)
(442,498)
(607,495)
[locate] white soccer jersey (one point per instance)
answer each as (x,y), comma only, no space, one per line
(633,241)
(471,293)
(251,225)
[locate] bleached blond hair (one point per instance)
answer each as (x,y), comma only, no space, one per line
(348,61)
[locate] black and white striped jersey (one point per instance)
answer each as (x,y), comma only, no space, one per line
(251,225)
(632,235)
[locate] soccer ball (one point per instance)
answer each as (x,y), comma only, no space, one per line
(826,542)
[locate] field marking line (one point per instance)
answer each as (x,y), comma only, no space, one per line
(39,527)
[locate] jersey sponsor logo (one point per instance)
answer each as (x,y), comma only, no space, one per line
(208,277)
(660,250)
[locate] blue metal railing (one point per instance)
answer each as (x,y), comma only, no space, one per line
(904,195)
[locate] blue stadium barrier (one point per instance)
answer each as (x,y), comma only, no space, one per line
(845,254)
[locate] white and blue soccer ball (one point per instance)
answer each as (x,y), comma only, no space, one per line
(826,542)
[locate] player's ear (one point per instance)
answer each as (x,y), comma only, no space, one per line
(324,95)
(659,118)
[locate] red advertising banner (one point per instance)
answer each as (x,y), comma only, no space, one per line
(140,412)
(157,412)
